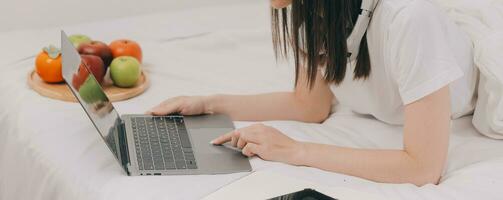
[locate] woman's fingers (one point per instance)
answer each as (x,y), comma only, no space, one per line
(251,149)
(223,138)
(250,134)
(240,137)
(164,108)
(241,143)
(234,139)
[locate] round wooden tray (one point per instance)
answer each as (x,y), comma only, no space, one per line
(60,91)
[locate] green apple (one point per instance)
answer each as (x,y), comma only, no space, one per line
(125,71)
(78,39)
(90,91)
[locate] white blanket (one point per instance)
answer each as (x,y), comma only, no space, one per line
(50,150)
(483,21)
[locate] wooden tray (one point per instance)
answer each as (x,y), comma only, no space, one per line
(60,91)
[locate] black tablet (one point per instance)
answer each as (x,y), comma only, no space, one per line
(306,194)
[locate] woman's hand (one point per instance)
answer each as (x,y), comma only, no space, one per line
(264,141)
(185,105)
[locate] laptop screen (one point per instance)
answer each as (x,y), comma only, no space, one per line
(90,95)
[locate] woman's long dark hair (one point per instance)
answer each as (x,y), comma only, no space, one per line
(316,31)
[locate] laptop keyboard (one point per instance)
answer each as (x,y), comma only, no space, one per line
(162,143)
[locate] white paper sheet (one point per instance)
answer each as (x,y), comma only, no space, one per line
(266,185)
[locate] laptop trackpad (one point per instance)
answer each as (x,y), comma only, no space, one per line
(201,140)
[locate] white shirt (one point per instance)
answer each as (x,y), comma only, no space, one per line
(415,50)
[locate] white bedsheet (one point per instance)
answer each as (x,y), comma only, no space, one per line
(50,150)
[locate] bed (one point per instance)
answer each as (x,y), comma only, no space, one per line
(50,150)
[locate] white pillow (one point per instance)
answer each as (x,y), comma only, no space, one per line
(488,116)
(483,21)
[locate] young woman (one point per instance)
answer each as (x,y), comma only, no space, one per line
(414,67)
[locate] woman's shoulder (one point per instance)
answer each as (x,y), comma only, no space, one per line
(407,10)
(397,18)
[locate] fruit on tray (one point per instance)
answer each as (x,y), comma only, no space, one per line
(90,91)
(123,56)
(97,48)
(78,39)
(48,65)
(94,65)
(125,47)
(125,71)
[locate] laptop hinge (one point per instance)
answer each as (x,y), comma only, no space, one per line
(123,146)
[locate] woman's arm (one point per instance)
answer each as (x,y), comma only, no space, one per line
(426,138)
(426,141)
(301,105)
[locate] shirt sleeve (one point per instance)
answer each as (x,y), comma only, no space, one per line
(420,59)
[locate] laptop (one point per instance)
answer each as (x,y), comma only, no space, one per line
(146,145)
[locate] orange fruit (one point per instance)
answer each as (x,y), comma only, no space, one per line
(48,65)
(126,47)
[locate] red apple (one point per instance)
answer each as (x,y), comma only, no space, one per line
(99,49)
(94,64)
